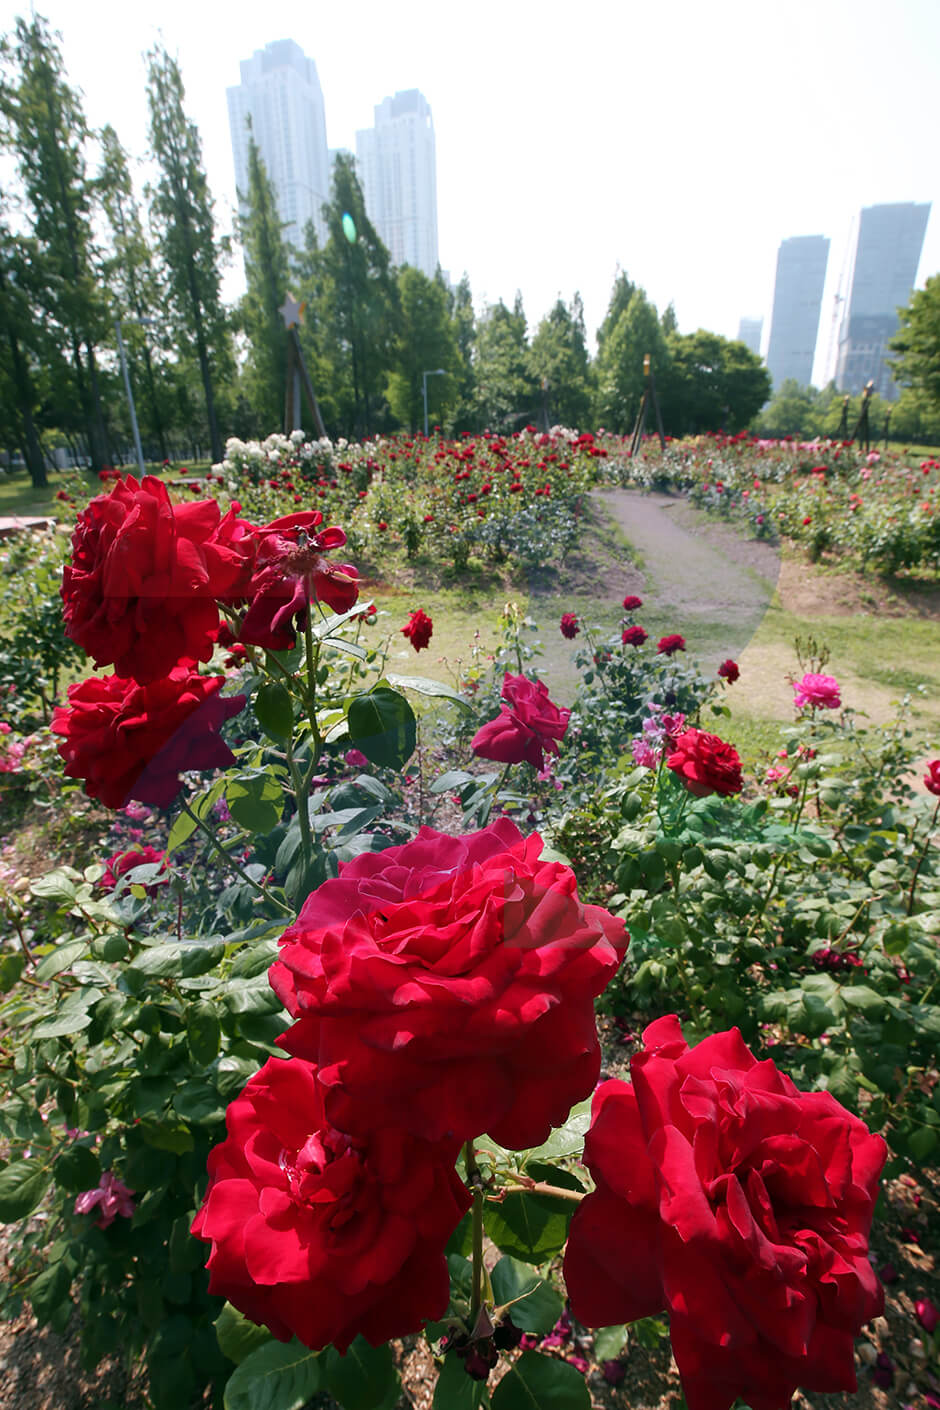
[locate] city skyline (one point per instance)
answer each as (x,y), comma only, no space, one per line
(551,196)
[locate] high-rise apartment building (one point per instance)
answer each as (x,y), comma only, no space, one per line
(397,169)
(884,270)
(749,333)
(798,291)
(280,93)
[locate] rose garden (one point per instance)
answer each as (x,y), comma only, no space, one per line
(400,1008)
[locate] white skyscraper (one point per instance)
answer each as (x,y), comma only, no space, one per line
(280,92)
(397,169)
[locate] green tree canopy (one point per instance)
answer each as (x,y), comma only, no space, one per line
(506,389)
(714,384)
(426,341)
(619,377)
(917,345)
(267,277)
(558,360)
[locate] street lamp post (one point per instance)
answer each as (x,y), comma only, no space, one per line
(130,399)
(432,372)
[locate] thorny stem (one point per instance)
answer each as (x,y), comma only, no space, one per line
(540,1187)
(240,871)
(475,1181)
(920,861)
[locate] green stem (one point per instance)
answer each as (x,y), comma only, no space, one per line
(475,1182)
(920,861)
(540,1187)
(313,660)
(300,794)
(239,871)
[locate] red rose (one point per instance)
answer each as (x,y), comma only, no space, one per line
(122,862)
(447,986)
(568,625)
(729,671)
(133,741)
(631,603)
(290,571)
(418,629)
(668,645)
(526,728)
(319,1236)
(705,763)
(140,590)
(932,778)
(738,1203)
(634,636)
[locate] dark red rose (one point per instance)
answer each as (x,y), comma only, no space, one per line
(634,636)
(527,727)
(133,741)
(140,592)
(447,986)
(669,645)
(729,671)
(932,778)
(321,1237)
(740,1205)
(291,571)
(632,603)
(122,862)
(705,764)
(418,629)
(568,625)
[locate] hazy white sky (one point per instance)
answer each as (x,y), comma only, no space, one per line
(681,140)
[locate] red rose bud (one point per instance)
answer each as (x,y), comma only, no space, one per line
(729,671)
(418,629)
(446,986)
(728,1198)
(319,1236)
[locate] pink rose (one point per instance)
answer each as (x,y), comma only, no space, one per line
(819,692)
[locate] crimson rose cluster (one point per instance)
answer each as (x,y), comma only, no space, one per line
(143,593)
(439,990)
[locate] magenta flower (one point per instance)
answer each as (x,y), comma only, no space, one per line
(568,625)
(927,1314)
(819,692)
(112,1197)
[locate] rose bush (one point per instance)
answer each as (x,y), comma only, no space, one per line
(447,986)
(738,1203)
(317,1235)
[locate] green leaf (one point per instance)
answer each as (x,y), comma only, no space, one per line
(11,967)
(57,885)
(455,1390)
(49,1290)
(608,1343)
(569,1138)
(275,1377)
(424,686)
(22,1185)
(237,1336)
(922,1143)
(255,800)
(274,710)
(364,1379)
(454,778)
(59,959)
(382,724)
(186,958)
(860,996)
(527,1226)
(183,828)
(77,1169)
(199,1104)
(203,1032)
(537,1382)
(536,1306)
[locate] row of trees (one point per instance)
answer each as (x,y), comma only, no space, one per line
(79,251)
(807,412)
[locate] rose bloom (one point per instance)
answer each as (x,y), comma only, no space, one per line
(631,603)
(634,636)
(668,645)
(729,671)
(447,986)
(133,741)
(290,571)
(140,590)
(418,629)
(319,1236)
(740,1205)
(527,727)
(705,764)
(932,778)
(820,692)
(111,1198)
(122,862)
(568,626)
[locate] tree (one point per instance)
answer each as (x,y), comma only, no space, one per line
(619,377)
(44,126)
(917,344)
(714,384)
(19,393)
(425,342)
(131,278)
(181,212)
(460,304)
(309,277)
(358,314)
(506,391)
(792,411)
(267,276)
(620,296)
(558,360)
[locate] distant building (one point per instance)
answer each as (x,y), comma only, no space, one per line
(749,333)
(280,92)
(887,253)
(397,168)
(798,290)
